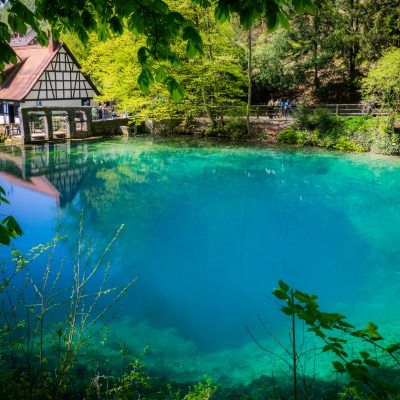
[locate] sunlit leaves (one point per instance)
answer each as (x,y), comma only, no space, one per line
(160,25)
(382,84)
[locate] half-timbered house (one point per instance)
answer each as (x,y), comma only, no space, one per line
(42,76)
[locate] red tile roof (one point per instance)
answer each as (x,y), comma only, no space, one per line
(34,60)
(24,40)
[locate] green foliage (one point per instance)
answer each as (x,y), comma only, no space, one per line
(272,70)
(337,337)
(321,129)
(202,391)
(324,56)
(210,85)
(315,119)
(157,21)
(130,383)
(9,228)
(382,84)
(291,136)
(233,127)
(54,345)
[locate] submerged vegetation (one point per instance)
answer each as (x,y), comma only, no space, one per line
(54,341)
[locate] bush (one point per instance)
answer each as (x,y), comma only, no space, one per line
(234,128)
(317,127)
(316,119)
(297,137)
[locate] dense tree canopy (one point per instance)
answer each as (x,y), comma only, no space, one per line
(322,55)
(325,55)
(212,82)
(157,21)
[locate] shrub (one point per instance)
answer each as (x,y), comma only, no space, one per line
(289,136)
(317,127)
(234,127)
(316,119)
(344,143)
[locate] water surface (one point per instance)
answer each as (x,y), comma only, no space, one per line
(209,230)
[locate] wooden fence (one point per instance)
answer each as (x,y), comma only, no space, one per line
(344,110)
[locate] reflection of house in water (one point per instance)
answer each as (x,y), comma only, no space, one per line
(52,169)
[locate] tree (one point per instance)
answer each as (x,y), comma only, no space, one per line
(155,20)
(382,84)
(212,84)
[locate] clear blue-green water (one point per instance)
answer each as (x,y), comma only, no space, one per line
(208,231)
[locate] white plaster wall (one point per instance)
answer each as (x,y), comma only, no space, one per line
(53,103)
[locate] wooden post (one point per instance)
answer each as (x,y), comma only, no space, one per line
(337,109)
(24,125)
(71,126)
(258,112)
(88,115)
(48,124)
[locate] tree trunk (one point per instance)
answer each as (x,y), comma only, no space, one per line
(315,48)
(249,44)
(354,46)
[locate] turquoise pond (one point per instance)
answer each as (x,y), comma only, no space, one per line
(209,230)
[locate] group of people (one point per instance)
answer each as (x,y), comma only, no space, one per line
(280,107)
(103,112)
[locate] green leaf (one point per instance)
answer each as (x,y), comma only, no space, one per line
(309,6)
(317,331)
(5,238)
(175,90)
(339,367)
(280,294)
(145,80)
(392,348)
(328,347)
(194,41)
(221,12)
(364,354)
(143,55)
(161,75)
(372,363)
(284,286)
(116,25)
(298,5)
(283,20)
(287,310)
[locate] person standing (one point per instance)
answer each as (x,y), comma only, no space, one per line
(95,113)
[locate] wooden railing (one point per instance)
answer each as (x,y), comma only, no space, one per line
(344,110)
(12,130)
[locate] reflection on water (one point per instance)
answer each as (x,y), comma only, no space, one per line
(209,231)
(49,169)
